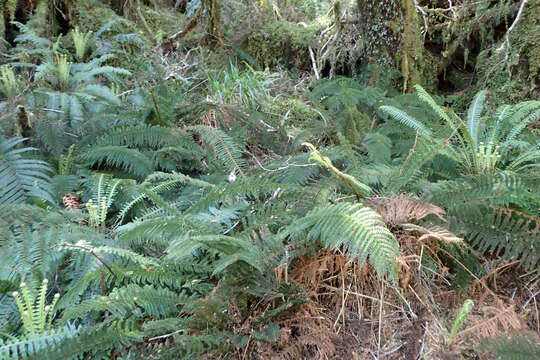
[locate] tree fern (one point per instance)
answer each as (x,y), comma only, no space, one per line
(359,230)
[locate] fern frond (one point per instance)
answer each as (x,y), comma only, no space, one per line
(140,136)
(130,299)
(359,230)
(230,249)
(517,347)
(421,154)
(91,341)
(29,347)
(225,148)
(249,187)
(525,113)
(161,229)
(426,98)
(473,114)
(129,160)
(510,234)
(405,119)
(21,178)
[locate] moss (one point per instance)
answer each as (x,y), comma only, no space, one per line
(411,48)
(527,38)
(511,69)
(92,14)
(284,40)
(381,28)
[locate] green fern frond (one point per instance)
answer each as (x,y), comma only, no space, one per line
(405,119)
(130,299)
(473,114)
(517,347)
(20,177)
(439,110)
(71,343)
(502,188)
(249,187)
(32,345)
(161,229)
(359,230)
(140,136)
(230,249)
(225,148)
(129,160)
(420,155)
(507,233)
(523,114)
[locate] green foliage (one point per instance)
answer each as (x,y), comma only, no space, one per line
(461,317)
(191,188)
(8,82)
(35,314)
(21,178)
(360,230)
(100,203)
(517,347)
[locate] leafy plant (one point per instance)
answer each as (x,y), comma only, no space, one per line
(461,317)
(36,315)
(21,178)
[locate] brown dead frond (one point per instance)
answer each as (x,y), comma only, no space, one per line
(494,321)
(306,334)
(433,232)
(401,209)
(210,118)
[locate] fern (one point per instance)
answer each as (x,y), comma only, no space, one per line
(359,230)
(225,149)
(502,231)
(70,342)
(131,161)
(230,249)
(21,178)
(35,315)
(130,299)
(405,119)
(517,347)
(473,114)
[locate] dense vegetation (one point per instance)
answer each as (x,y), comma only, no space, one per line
(273,179)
